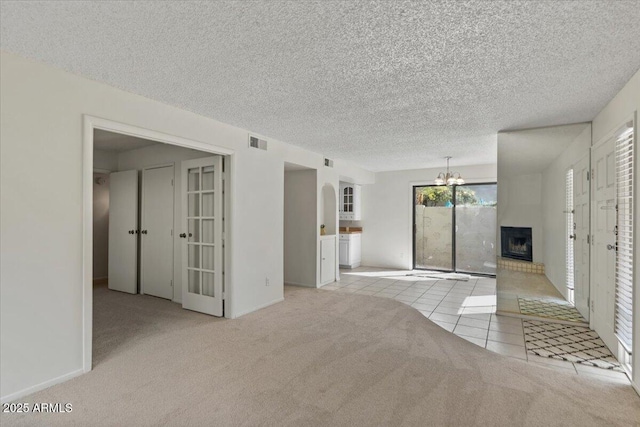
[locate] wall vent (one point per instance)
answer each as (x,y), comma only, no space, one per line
(328,163)
(256,142)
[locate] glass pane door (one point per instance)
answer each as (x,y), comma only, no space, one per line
(201,231)
(202,251)
(433,222)
(475,236)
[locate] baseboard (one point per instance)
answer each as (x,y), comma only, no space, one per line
(299,284)
(41,386)
(100,280)
(635,387)
(260,307)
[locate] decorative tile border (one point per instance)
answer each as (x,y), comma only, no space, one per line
(576,344)
(524,266)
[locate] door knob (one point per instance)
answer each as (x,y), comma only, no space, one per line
(572,236)
(131,231)
(183,235)
(144,232)
(612,247)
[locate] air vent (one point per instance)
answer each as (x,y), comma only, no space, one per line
(255,142)
(328,163)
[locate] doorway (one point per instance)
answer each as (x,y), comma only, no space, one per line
(454,228)
(165,157)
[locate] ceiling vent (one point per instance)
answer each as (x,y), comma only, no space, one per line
(256,142)
(328,162)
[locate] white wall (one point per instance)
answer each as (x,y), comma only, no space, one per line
(41,294)
(553,207)
(300,209)
(625,105)
(105,160)
(387,206)
(520,205)
(100,226)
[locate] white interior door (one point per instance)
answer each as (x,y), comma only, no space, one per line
(202,249)
(603,245)
(581,207)
(123,228)
(156,254)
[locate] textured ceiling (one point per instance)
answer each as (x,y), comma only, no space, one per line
(387,85)
(532,151)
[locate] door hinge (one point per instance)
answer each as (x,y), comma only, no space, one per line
(591,303)
(172,231)
(224,295)
(588,239)
(588,176)
(172,283)
(172,182)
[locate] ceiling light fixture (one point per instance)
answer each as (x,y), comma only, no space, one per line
(449,178)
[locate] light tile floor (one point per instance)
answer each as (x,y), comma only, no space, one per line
(466,308)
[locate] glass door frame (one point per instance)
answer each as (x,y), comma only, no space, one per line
(453,226)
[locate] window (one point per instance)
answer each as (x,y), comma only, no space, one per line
(570,233)
(624,238)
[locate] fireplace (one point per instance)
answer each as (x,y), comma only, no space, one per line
(516,243)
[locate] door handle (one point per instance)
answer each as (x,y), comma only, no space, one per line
(612,247)
(131,231)
(183,235)
(144,232)
(572,236)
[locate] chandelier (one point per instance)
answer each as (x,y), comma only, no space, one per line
(449,178)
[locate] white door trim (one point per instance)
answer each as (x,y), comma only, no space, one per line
(89,124)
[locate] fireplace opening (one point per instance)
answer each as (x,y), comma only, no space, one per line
(517,243)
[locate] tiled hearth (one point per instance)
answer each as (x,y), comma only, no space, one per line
(524,266)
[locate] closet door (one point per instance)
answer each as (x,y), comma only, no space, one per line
(202,247)
(123,227)
(156,255)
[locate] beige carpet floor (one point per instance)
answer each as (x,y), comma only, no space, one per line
(318,358)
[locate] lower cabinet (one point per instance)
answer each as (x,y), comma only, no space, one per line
(350,250)
(327,259)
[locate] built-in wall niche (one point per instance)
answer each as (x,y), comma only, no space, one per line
(329,209)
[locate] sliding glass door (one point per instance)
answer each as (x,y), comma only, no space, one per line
(433,222)
(455,228)
(475,230)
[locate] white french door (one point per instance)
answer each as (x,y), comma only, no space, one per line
(581,261)
(156,252)
(202,248)
(603,253)
(123,231)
